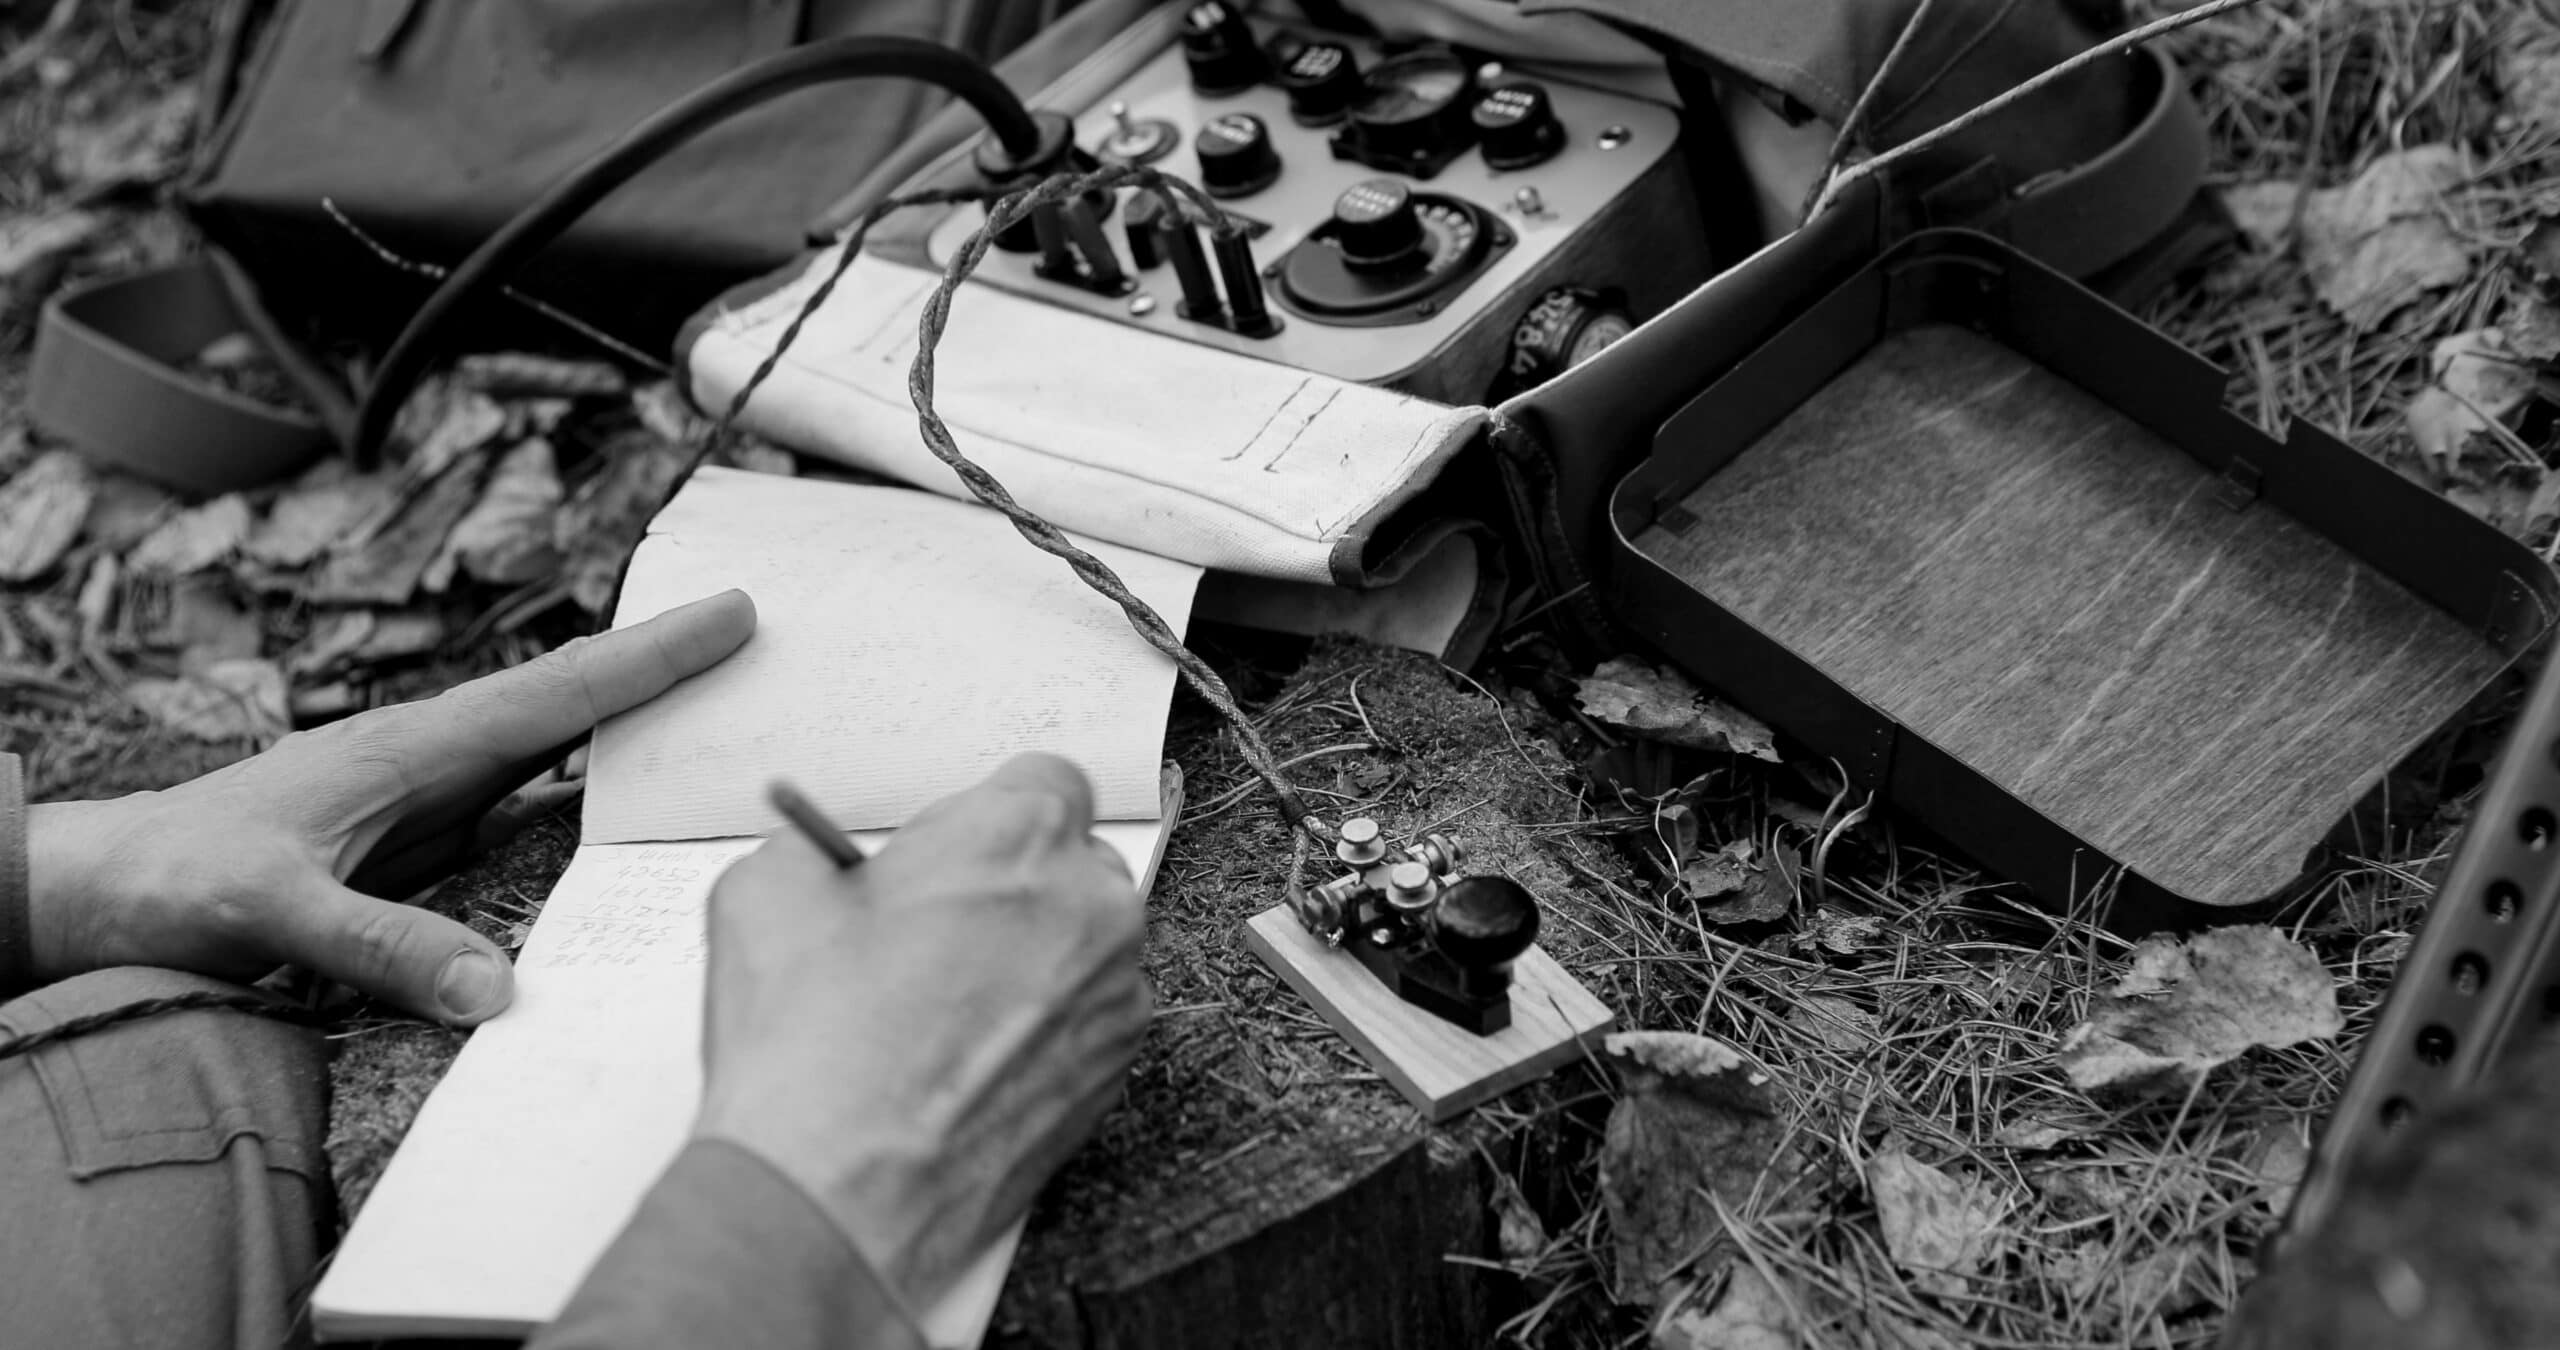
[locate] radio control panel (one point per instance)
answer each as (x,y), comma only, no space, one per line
(1408,206)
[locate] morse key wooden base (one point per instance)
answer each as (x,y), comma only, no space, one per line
(1436,978)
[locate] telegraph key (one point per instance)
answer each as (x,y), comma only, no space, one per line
(1443,943)
(1417,214)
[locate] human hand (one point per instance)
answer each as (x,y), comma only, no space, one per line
(920,1041)
(279,859)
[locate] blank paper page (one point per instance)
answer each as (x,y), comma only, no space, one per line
(905,645)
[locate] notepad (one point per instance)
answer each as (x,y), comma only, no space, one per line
(905,646)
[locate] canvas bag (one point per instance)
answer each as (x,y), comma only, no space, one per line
(372,143)
(429,123)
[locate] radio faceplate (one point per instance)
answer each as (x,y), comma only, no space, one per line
(1611,172)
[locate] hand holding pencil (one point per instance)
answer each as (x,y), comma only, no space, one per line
(919,1038)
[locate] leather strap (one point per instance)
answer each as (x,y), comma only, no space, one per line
(108,379)
(2094,214)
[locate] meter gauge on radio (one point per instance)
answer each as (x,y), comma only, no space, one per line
(1388,255)
(1412,114)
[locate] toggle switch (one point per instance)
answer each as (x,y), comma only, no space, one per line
(1136,140)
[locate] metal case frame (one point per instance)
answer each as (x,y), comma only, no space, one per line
(2489,583)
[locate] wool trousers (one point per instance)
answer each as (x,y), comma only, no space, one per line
(163,1184)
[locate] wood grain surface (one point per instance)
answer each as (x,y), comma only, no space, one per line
(2060,598)
(1440,1067)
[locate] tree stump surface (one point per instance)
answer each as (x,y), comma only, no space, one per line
(1259,1185)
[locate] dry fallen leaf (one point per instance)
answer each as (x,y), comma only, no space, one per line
(40,513)
(2528,58)
(1939,1227)
(1744,886)
(329,644)
(387,569)
(1751,1315)
(2279,1156)
(506,538)
(2116,1292)
(1521,1234)
(29,243)
(1697,1119)
(194,539)
(1836,1022)
(2380,241)
(125,509)
(2532,326)
(666,415)
(136,147)
(1841,932)
(2263,210)
(2032,1135)
(531,375)
(396,634)
(239,700)
(327,506)
(207,626)
(2186,1007)
(442,422)
(320,703)
(1664,706)
(98,594)
(600,526)
(2475,378)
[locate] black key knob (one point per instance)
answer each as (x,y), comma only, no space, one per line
(1516,124)
(1323,81)
(1483,924)
(1236,155)
(1377,228)
(1221,50)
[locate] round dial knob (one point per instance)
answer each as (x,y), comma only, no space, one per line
(1377,227)
(1568,326)
(1323,82)
(1415,107)
(1516,123)
(1236,155)
(1221,50)
(1483,923)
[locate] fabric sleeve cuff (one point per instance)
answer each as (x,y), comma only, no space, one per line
(727,1251)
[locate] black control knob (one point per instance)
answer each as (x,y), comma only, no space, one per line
(1236,155)
(1322,81)
(1377,228)
(1484,923)
(1516,123)
(1221,50)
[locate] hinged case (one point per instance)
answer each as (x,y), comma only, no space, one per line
(1999,549)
